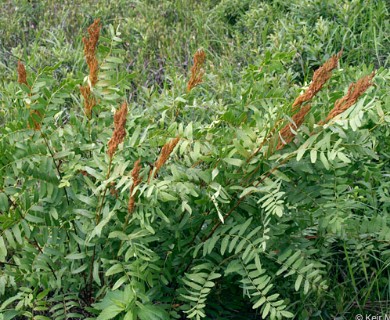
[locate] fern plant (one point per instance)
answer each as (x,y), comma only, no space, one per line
(113,208)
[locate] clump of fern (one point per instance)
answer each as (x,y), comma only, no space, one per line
(256,198)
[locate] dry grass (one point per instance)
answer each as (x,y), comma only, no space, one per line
(197,70)
(320,77)
(119,130)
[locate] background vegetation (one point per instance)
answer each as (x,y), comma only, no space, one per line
(222,225)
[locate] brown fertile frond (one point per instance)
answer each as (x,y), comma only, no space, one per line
(286,135)
(355,90)
(321,75)
(119,129)
(90,48)
(136,181)
(93,72)
(91,42)
(94,31)
(90,57)
(164,155)
(35,115)
(22,75)
(135,172)
(89,100)
(197,70)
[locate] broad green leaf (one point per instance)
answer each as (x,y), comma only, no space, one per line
(287,314)
(150,311)
(324,161)
(110,312)
(234,162)
(114,60)
(224,244)
(80,269)
(119,282)
(75,256)
(298,282)
(95,274)
(164,196)
(301,151)
(248,191)
(3,203)
(129,315)
(306,287)
(313,155)
(3,250)
(116,268)
(266,310)
(117,39)
(343,157)
(135,136)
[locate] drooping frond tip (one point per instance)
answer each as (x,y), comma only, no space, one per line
(197,70)
(320,77)
(119,130)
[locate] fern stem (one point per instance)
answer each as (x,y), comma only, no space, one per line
(41,251)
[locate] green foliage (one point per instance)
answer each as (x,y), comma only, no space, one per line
(229,228)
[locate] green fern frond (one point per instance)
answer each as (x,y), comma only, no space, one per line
(198,286)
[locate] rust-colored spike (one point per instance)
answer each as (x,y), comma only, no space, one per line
(22,79)
(93,72)
(119,130)
(355,90)
(164,155)
(22,75)
(90,50)
(285,134)
(90,57)
(93,31)
(136,182)
(89,100)
(320,77)
(197,70)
